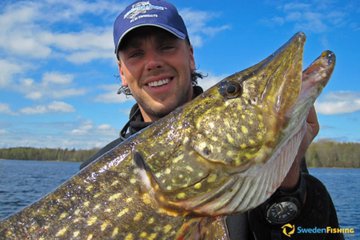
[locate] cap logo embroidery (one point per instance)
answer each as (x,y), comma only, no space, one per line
(141,8)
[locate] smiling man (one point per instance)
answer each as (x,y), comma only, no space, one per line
(157,67)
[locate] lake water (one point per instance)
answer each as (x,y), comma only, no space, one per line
(23,182)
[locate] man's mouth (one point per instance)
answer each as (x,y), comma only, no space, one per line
(159,83)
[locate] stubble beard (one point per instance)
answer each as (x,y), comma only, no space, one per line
(162,112)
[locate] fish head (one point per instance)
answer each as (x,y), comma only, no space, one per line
(243,115)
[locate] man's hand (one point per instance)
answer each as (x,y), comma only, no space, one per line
(312,129)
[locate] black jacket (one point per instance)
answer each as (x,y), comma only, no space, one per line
(318,210)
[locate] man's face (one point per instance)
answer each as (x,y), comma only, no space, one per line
(157,67)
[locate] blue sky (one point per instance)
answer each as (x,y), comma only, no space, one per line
(58,73)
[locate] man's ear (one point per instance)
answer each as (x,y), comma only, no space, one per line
(192,59)
(121,72)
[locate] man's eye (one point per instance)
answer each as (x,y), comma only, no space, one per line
(135,54)
(167,47)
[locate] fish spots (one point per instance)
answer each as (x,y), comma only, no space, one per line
(63,215)
(178,158)
(76,234)
(87,204)
(114,183)
(202,145)
(146,199)
(115,196)
(230,154)
(104,226)
(152,236)
(132,180)
(129,199)
(238,162)
(91,220)
(89,188)
(181,195)
(211,125)
(167,228)
(186,140)
(138,216)
(115,232)
(189,168)
(130,236)
(97,195)
(244,130)
(212,178)
(167,171)
(197,186)
(243,146)
(230,139)
(123,212)
(90,236)
(151,220)
(61,232)
(143,234)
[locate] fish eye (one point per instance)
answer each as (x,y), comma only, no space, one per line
(230,89)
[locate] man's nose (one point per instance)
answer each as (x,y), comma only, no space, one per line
(153,61)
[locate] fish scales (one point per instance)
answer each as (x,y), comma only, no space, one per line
(224,152)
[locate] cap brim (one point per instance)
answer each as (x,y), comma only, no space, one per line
(171,30)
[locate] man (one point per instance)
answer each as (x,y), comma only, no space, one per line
(157,67)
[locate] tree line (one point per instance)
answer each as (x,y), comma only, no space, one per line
(333,154)
(319,154)
(49,154)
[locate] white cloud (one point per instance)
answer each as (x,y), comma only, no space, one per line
(5,109)
(83,129)
(27,29)
(53,107)
(89,135)
(80,57)
(338,103)
(53,85)
(313,16)
(7,70)
(57,78)
(3,131)
(198,26)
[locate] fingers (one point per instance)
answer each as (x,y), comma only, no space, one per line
(313,122)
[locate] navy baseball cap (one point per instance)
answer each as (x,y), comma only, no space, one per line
(158,13)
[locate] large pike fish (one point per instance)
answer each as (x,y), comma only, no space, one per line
(224,152)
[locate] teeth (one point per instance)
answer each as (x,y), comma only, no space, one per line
(159,83)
